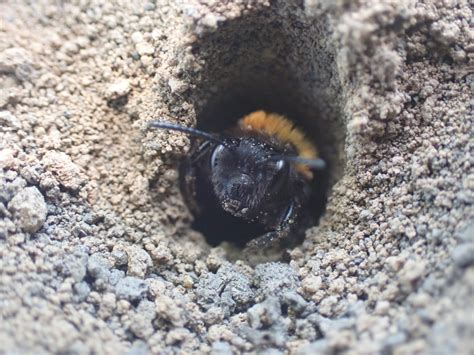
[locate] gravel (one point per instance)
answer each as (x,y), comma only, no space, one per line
(28,209)
(131,289)
(463,255)
(274,279)
(227,289)
(96,250)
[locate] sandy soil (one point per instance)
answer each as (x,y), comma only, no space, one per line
(97,254)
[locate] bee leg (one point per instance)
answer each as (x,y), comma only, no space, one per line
(187,176)
(188,185)
(282,233)
(268,240)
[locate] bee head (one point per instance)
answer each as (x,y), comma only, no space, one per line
(246,172)
(243,176)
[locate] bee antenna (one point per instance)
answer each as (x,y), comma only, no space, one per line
(317,164)
(188,130)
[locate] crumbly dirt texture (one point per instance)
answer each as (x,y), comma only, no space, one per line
(96,250)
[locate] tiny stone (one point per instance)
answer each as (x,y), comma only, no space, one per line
(221,348)
(68,173)
(74,265)
(177,86)
(98,267)
(131,289)
(311,284)
(275,279)
(82,290)
(28,209)
(138,261)
(463,255)
(210,20)
(9,120)
(137,37)
(149,6)
(6,158)
(10,175)
(144,48)
(120,256)
(115,276)
(118,89)
(139,347)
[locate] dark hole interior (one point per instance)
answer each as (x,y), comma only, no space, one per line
(218,225)
(263,61)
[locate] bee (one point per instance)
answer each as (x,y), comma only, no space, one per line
(260,172)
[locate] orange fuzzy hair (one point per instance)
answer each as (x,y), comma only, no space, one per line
(279,127)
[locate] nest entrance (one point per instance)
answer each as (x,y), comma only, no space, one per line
(265,61)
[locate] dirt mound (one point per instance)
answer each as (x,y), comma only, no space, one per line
(97,250)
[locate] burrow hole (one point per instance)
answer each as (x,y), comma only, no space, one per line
(279,62)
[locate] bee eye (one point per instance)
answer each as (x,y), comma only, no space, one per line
(280,164)
(216,153)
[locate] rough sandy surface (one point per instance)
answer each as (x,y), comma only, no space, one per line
(96,253)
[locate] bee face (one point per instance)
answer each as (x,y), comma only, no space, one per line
(243,177)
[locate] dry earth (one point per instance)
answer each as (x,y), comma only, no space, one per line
(97,253)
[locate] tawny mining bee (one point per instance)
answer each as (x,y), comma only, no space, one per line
(258,173)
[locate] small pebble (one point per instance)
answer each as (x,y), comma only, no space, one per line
(28,209)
